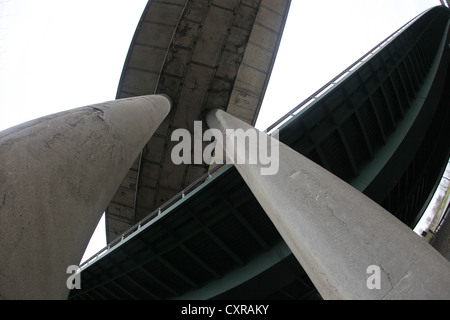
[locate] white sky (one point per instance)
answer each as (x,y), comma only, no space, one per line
(61,54)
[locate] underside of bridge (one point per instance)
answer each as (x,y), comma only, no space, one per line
(203,55)
(382,128)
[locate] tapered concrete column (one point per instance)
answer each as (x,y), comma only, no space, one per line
(57,176)
(342,239)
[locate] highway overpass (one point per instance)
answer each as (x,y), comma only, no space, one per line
(380,125)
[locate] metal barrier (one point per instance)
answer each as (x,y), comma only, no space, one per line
(152,215)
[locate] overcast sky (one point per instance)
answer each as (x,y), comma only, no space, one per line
(61,54)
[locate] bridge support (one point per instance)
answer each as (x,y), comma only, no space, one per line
(57,175)
(350,247)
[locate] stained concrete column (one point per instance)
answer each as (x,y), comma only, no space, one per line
(57,176)
(343,240)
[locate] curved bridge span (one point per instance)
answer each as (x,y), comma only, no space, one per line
(203,55)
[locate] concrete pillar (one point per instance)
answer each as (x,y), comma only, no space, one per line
(57,175)
(350,247)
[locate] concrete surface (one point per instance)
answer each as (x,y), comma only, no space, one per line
(337,233)
(58,173)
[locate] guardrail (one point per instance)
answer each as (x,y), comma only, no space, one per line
(153,215)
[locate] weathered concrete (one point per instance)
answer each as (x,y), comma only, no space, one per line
(58,174)
(337,233)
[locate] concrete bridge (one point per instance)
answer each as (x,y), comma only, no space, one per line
(379,125)
(360,159)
